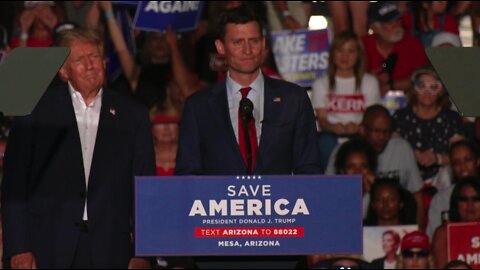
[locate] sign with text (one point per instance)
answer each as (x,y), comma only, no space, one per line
(463,241)
(301,56)
(158,15)
(254,215)
(380,240)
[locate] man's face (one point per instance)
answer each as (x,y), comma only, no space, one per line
(84,68)
(391,32)
(377,132)
(243,47)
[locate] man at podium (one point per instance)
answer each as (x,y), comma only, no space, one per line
(247,124)
(67,192)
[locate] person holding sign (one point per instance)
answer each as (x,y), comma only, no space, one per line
(464,207)
(274,133)
(67,192)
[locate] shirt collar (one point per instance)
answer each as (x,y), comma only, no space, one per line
(78,96)
(233,87)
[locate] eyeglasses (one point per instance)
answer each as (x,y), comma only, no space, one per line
(430,87)
(346,267)
(469,198)
(418,254)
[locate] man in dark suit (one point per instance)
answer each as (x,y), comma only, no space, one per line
(67,195)
(284,123)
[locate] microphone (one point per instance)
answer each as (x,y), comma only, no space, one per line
(246,107)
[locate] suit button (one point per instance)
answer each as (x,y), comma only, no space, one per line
(83,194)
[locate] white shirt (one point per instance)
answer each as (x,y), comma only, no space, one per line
(256,95)
(87,122)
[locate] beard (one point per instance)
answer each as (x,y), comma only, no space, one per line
(393,37)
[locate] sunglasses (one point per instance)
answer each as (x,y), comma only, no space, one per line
(418,254)
(428,86)
(469,198)
(346,267)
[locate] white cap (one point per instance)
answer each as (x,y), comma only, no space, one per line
(446,37)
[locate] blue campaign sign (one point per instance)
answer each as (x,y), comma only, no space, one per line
(261,215)
(157,15)
(126,3)
(301,56)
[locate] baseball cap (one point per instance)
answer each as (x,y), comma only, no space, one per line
(415,239)
(446,37)
(383,12)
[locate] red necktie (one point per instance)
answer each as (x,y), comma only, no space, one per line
(252,132)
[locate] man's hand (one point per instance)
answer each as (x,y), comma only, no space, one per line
(23,261)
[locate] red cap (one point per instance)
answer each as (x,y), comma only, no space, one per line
(165,119)
(415,239)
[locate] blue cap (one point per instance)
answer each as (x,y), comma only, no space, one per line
(383,12)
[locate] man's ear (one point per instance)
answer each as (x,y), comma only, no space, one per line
(63,73)
(220,47)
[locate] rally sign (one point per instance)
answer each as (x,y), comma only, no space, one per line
(301,56)
(464,242)
(158,15)
(248,215)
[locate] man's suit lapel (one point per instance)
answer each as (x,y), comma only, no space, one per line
(272,110)
(218,103)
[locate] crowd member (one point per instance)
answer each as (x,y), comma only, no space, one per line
(67,192)
(287,15)
(429,125)
(349,16)
(457,264)
(415,252)
(428,18)
(161,61)
(464,207)
(342,262)
(390,204)
(464,162)
(446,40)
(37,23)
(395,156)
(356,156)
(390,245)
(342,94)
(165,140)
(391,55)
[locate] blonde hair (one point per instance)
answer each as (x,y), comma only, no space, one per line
(401,262)
(359,69)
(67,38)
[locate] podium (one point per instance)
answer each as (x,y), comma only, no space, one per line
(248,221)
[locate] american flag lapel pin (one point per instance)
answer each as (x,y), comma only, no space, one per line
(112,111)
(277,99)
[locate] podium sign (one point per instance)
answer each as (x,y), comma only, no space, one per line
(254,215)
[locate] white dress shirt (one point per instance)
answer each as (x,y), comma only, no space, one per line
(256,95)
(87,122)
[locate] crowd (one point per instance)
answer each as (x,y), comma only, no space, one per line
(419,164)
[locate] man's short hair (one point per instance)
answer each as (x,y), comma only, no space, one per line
(374,111)
(239,15)
(66,38)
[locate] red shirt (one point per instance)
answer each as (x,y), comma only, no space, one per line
(31,42)
(411,55)
(449,23)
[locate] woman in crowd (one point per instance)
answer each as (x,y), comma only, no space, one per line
(341,96)
(464,207)
(390,204)
(429,125)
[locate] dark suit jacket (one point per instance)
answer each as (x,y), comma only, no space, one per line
(288,143)
(44,188)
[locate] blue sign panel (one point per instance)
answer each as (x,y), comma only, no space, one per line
(157,15)
(254,215)
(301,56)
